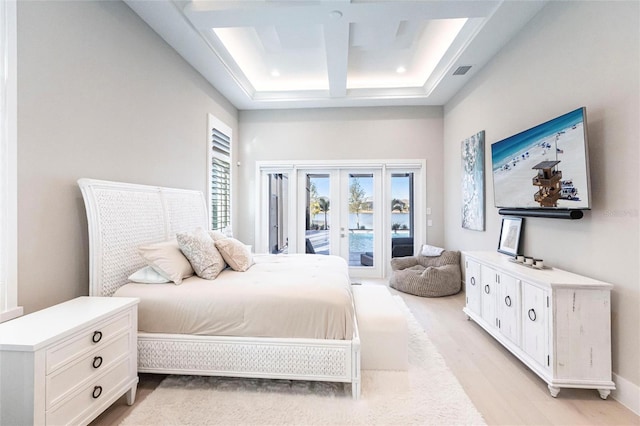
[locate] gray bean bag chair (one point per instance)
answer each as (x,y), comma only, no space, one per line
(427,276)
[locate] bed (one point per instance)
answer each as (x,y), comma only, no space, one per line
(121,217)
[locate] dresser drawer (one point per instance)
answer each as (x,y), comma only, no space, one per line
(90,398)
(69,378)
(87,340)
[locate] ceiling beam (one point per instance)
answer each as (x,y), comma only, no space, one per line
(336,38)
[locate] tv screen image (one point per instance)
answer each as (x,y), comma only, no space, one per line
(546,166)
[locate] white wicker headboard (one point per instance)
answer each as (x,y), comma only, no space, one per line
(123,216)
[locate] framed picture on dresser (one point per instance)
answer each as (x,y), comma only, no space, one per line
(510,233)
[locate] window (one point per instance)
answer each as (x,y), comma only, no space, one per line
(220,141)
(8,163)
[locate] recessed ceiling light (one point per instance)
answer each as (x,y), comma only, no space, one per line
(401,70)
(335,14)
(275,73)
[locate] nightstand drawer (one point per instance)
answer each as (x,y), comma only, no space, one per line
(90,398)
(86,341)
(67,380)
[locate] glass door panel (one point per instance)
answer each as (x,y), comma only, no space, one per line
(318,213)
(360,227)
(402,215)
(278,187)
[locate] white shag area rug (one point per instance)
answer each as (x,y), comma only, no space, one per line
(427,394)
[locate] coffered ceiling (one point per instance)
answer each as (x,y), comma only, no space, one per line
(302,54)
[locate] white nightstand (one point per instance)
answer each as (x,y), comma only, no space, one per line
(66,364)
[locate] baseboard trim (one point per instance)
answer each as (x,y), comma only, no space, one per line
(626,393)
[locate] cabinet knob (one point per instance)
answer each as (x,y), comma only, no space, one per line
(507,301)
(97,336)
(473,280)
(97,391)
(97,362)
(532,314)
(487,289)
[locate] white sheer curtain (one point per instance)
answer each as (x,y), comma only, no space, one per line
(8,162)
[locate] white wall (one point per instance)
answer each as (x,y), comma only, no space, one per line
(572,54)
(335,134)
(100,95)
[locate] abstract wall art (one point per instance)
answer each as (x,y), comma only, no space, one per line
(473,182)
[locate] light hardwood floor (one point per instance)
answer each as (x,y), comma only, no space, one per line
(502,388)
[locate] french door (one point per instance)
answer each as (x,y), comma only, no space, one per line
(365,213)
(338,214)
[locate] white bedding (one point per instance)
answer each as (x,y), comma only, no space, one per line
(286,296)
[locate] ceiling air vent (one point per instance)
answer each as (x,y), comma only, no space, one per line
(462,70)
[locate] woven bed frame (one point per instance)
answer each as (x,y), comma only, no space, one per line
(123,216)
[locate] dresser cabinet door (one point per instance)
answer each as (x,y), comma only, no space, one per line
(488,295)
(535,314)
(472,285)
(508,306)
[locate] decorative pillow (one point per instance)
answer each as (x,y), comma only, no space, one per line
(167,260)
(202,253)
(236,254)
(147,275)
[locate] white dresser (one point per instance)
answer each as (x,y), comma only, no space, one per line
(66,364)
(556,322)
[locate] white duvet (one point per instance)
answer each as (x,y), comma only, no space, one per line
(285,296)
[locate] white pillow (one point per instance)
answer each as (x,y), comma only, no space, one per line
(202,253)
(431,251)
(167,260)
(236,254)
(147,275)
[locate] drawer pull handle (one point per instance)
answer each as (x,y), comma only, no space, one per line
(487,289)
(97,336)
(97,391)
(532,314)
(473,280)
(507,301)
(97,362)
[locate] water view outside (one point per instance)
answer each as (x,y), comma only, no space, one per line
(360,241)
(366,220)
(363,241)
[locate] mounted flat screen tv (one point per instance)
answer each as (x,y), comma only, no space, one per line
(545,167)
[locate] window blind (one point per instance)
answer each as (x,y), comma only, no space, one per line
(220,179)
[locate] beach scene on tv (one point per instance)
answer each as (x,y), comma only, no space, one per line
(543,167)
